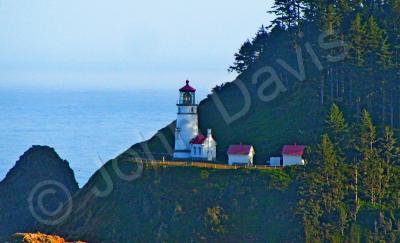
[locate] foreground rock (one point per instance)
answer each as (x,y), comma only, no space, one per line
(34,191)
(38,237)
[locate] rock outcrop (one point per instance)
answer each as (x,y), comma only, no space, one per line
(34,191)
(37,237)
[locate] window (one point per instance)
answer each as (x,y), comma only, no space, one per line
(199,151)
(194,150)
(187,98)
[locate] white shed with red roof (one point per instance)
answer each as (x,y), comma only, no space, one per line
(293,155)
(241,154)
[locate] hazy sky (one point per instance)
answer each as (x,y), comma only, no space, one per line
(122,44)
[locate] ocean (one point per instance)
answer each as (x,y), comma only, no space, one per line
(86,128)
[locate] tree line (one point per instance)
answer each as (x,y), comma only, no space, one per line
(368,76)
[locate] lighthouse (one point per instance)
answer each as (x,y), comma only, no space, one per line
(186,122)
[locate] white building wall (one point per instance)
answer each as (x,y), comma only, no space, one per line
(210,151)
(205,151)
(275,161)
(240,159)
(186,130)
(289,160)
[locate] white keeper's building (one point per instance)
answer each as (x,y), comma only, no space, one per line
(241,154)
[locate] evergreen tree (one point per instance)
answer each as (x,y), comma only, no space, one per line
(332,20)
(374,39)
(357,41)
(388,151)
(323,193)
(330,164)
(244,58)
(389,147)
(385,63)
(371,164)
(337,125)
(315,10)
(288,13)
(367,133)
(260,41)
(372,175)
(356,55)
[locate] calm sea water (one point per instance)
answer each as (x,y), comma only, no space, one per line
(81,126)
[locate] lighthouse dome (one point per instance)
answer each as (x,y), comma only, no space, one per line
(187,88)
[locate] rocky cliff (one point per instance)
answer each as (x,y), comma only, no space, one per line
(34,190)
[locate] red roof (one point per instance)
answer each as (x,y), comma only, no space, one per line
(293,150)
(198,140)
(187,88)
(239,149)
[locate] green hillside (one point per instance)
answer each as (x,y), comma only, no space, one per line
(186,205)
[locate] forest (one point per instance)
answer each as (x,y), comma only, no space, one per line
(360,69)
(349,190)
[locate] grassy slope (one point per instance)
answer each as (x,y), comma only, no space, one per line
(171,204)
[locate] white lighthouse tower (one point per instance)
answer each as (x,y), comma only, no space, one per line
(186,122)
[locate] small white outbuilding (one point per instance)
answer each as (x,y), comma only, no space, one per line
(275,161)
(241,154)
(293,155)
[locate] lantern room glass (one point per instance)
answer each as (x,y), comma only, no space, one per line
(187,98)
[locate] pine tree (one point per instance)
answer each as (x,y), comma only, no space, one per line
(332,20)
(344,7)
(372,175)
(388,151)
(283,9)
(260,41)
(337,125)
(356,40)
(288,13)
(330,166)
(385,63)
(371,165)
(244,58)
(323,193)
(315,10)
(367,133)
(389,147)
(374,40)
(384,54)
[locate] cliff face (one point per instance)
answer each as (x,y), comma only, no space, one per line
(177,204)
(33,190)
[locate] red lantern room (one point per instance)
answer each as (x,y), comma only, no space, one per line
(187,95)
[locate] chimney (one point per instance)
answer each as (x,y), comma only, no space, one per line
(209,133)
